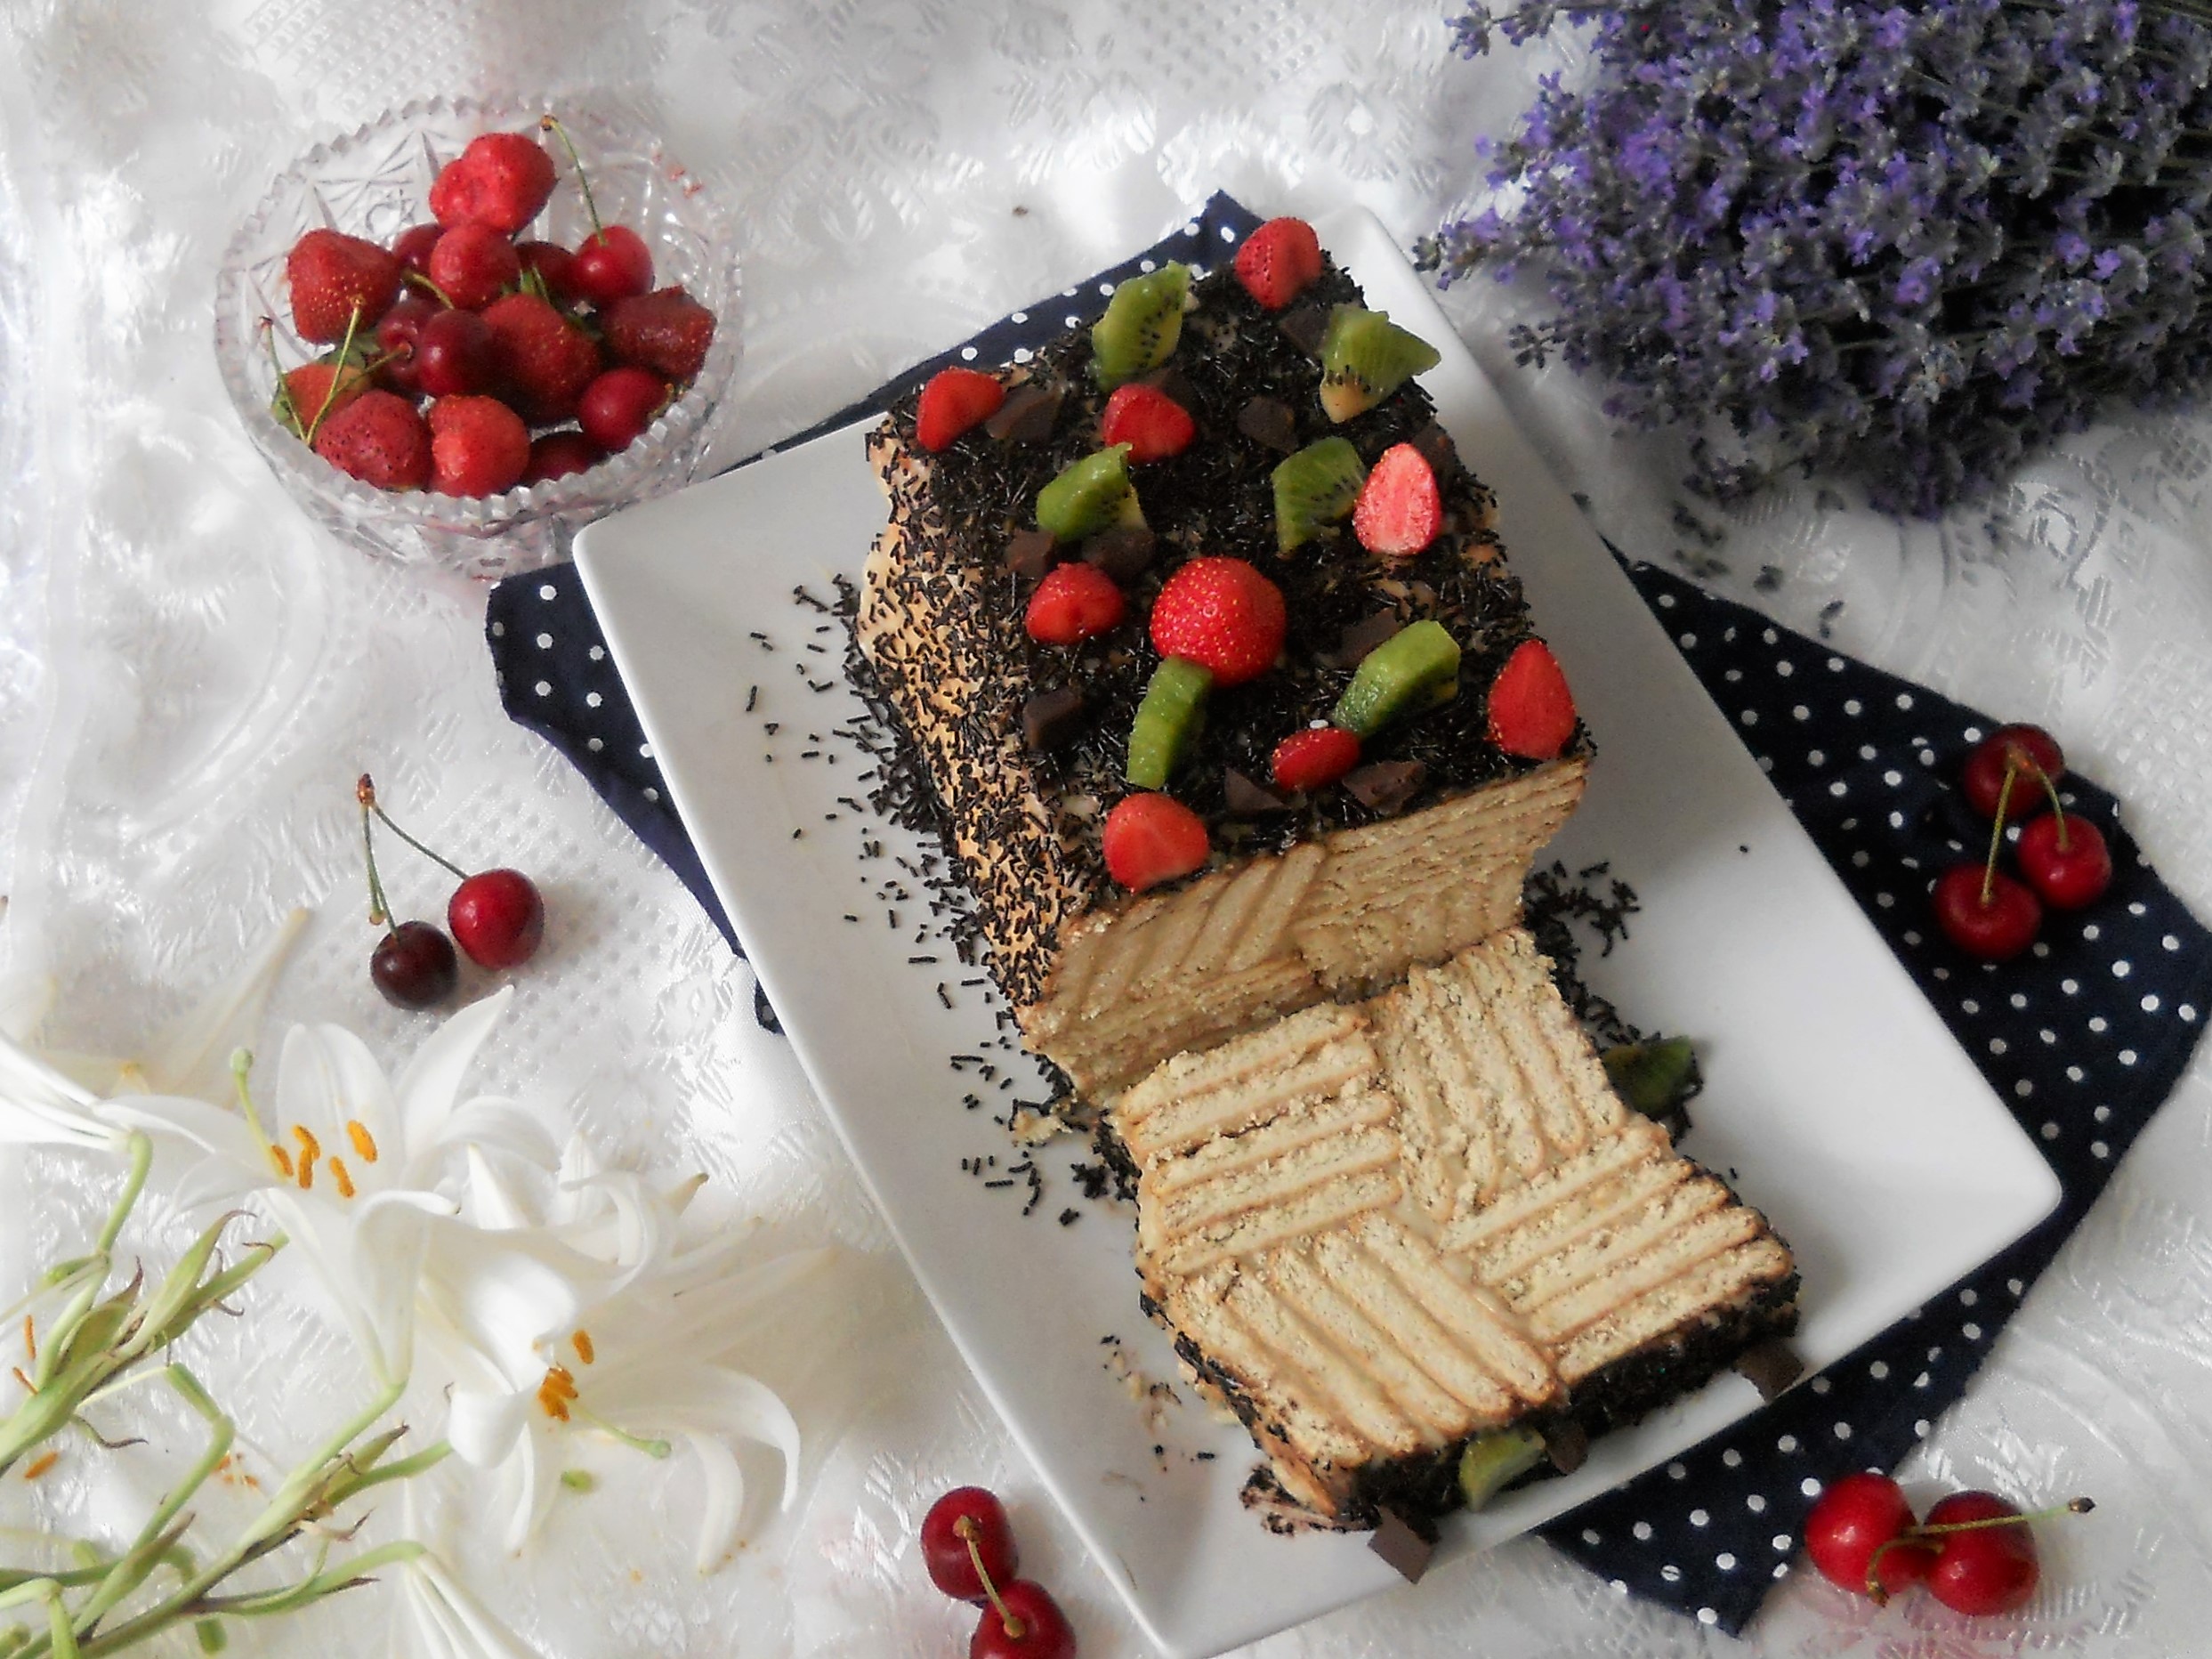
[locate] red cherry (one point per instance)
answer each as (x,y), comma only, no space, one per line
(2065,861)
(559,455)
(2032,751)
(473,265)
(968,1510)
(1994,932)
(498,917)
(617,406)
(411,247)
(555,266)
(399,338)
(1045,1633)
(611,264)
(1854,1517)
(455,354)
(414,965)
(1991,1569)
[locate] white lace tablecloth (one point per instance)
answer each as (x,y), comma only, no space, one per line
(190,676)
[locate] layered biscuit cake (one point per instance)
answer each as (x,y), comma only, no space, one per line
(1380,1230)
(1307,897)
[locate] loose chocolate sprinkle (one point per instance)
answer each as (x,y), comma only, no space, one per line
(1551,901)
(752,697)
(1069,1218)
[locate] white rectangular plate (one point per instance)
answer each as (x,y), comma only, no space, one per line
(1833,1092)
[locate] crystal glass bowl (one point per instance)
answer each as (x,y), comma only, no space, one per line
(375,183)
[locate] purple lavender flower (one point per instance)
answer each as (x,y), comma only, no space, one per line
(1909,241)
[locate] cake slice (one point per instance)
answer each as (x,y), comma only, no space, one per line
(1307,897)
(1381,1230)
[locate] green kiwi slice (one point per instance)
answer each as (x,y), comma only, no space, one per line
(1494,1460)
(1403,674)
(1167,721)
(1089,495)
(1365,357)
(1314,489)
(1141,324)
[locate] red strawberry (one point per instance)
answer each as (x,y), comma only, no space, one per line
(478,445)
(1149,838)
(380,440)
(1398,512)
(545,358)
(1532,713)
(1072,604)
(558,454)
(953,401)
(1278,261)
(502,180)
(1315,758)
(332,275)
(1152,424)
(473,264)
(667,331)
(315,392)
(1222,615)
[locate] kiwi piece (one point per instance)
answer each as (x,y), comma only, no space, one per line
(1089,495)
(1142,322)
(1167,721)
(1365,357)
(1493,1461)
(1314,489)
(1400,676)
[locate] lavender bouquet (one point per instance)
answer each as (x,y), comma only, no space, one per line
(1906,242)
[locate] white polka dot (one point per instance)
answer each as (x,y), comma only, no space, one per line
(1920,1429)
(645,751)
(1666,602)
(2151,1005)
(2069,986)
(1022,354)
(967,353)
(1023,316)
(598,653)
(1755,1504)
(1733,675)
(1878,1370)
(1676,1471)
(2188,1013)
(543,689)
(1843,1431)
(1785,667)
(594,744)
(545,642)
(2014,1286)
(1904,699)
(2090,930)
(2050,1131)
(1643,1530)
(1689,642)
(592,699)
(1821,1385)
(1897,820)
(1705,1616)
(546,591)
(652,794)
(1750,716)
(1787,1442)
(1725,1561)
(1074,323)
(1671,1574)
(1816,757)
(2097,1022)
(1968,1298)
(1107,288)
(1837,789)
(1996,1044)
(1620,1586)
(1809,1486)
(1590,1535)
(1912,938)
(1885,900)
(2098,1149)
(2136,909)
(2122,969)
(1973,734)
(1867,751)
(2171,943)
(1971,1331)
(1698,1517)
(2102,1114)
(499,631)
(2074,1073)
(1860,860)
(1770,636)
(1800,712)
(1732,1458)
(1782,1569)
(1852,705)
(1921,1381)
(1893,778)
(2023,1089)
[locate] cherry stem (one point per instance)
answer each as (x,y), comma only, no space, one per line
(379,910)
(291,416)
(965,1528)
(2058,808)
(366,792)
(1997,833)
(437,293)
(2072,1506)
(551,124)
(337,374)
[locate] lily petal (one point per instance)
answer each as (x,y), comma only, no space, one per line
(502,1293)
(483,1427)
(192,1055)
(710,1399)
(25,1001)
(432,1081)
(449,1620)
(722,1504)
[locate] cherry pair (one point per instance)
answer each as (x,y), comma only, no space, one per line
(2010,777)
(1974,1551)
(497,917)
(967,1545)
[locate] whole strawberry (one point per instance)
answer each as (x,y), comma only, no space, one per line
(667,331)
(315,392)
(332,277)
(478,447)
(379,439)
(472,265)
(544,358)
(502,180)
(1224,615)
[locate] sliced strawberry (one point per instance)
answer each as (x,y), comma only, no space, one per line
(1315,758)
(1150,839)
(955,401)
(1278,261)
(1152,424)
(1222,615)
(1399,511)
(1073,603)
(1532,713)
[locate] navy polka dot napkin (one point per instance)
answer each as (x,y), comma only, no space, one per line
(2084,1038)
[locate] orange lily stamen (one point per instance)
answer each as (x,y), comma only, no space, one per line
(338,1173)
(582,1342)
(40,1464)
(364,1143)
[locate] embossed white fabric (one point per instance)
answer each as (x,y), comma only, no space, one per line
(190,675)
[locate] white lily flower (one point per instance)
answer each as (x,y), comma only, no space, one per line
(642,1364)
(446,1621)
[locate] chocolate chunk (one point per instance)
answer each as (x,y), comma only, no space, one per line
(1361,638)
(1399,1542)
(1270,421)
(1124,553)
(1246,798)
(1386,786)
(1026,417)
(1306,327)
(1438,451)
(1567,1444)
(1030,554)
(1176,385)
(1770,1366)
(1052,719)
